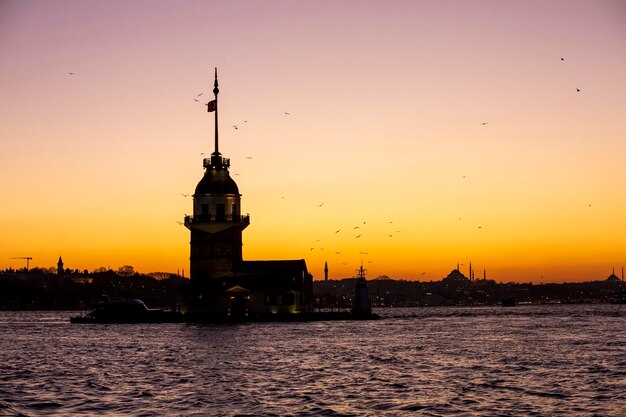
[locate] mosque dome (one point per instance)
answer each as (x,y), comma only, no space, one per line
(216,181)
(613,278)
(455,277)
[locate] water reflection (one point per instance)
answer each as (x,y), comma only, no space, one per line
(550,360)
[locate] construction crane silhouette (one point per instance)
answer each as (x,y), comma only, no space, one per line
(28,259)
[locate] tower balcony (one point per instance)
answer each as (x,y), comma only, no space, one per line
(213,223)
(216,161)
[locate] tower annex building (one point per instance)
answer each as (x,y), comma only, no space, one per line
(222,284)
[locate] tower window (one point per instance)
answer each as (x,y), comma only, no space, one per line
(234,212)
(220,214)
(204,211)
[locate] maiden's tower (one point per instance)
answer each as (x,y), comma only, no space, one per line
(222,284)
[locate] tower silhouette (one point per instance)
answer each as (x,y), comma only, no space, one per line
(222,284)
(216,224)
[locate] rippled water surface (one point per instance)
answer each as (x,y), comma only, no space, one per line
(521,361)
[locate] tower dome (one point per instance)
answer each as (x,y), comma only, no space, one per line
(216,179)
(217,196)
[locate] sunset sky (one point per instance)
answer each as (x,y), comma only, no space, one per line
(446,131)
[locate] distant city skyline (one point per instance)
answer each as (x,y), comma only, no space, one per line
(410,135)
(462,268)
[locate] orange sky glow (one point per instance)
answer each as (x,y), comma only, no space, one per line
(420,134)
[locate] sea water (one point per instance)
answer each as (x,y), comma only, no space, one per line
(549,360)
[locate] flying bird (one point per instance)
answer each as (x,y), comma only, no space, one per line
(562,59)
(337,231)
(287,113)
(235,127)
(321,205)
(484,123)
(199,94)
(185,195)
(70,73)
(355,227)
(196,100)
(248,157)
(578,90)
(358,236)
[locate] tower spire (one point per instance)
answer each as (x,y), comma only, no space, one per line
(215,91)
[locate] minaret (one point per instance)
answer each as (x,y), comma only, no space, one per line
(216,224)
(325,271)
(60,269)
(470,272)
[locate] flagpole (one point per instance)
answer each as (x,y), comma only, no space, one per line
(216,91)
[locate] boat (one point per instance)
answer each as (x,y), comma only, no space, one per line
(126,310)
